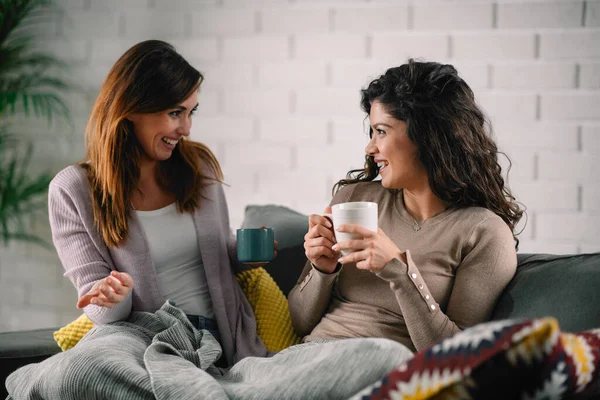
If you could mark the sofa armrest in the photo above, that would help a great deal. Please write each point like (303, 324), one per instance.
(20, 348)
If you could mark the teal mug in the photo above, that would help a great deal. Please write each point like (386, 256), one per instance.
(255, 245)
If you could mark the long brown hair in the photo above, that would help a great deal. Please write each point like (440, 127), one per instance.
(452, 135)
(150, 77)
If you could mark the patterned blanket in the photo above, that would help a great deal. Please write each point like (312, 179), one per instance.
(162, 356)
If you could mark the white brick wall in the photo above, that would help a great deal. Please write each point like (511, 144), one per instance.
(590, 76)
(294, 20)
(494, 45)
(393, 46)
(330, 47)
(223, 22)
(569, 44)
(280, 104)
(533, 75)
(592, 17)
(565, 14)
(578, 105)
(370, 19)
(453, 16)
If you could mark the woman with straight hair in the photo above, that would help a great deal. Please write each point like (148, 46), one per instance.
(445, 249)
(144, 217)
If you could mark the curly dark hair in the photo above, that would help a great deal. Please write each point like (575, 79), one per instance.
(451, 133)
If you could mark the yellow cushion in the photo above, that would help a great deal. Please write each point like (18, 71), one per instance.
(270, 306)
(69, 335)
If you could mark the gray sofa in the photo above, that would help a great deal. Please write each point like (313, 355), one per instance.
(563, 286)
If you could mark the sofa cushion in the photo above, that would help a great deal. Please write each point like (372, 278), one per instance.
(566, 287)
(500, 360)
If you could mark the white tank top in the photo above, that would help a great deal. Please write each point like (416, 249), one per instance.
(177, 260)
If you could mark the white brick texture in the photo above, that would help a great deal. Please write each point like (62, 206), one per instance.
(330, 47)
(111, 5)
(356, 74)
(294, 20)
(89, 24)
(188, 5)
(568, 226)
(566, 14)
(292, 130)
(508, 106)
(487, 45)
(198, 51)
(591, 198)
(227, 75)
(149, 24)
(548, 196)
(108, 51)
(263, 155)
(256, 49)
(370, 19)
(536, 135)
(522, 165)
(223, 22)
(548, 247)
(452, 16)
(71, 50)
(564, 166)
(593, 14)
(570, 44)
(571, 106)
(399, 47)
(590, 75)
(257, 102)
(328, 101)
(280, 105)
(532, 76)
(591, 139)
(227, 129)
(293, 74)
(477, 75)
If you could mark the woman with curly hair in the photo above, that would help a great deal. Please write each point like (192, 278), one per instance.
(445, 249)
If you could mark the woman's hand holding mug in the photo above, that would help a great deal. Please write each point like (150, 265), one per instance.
(323, 233)
(108, 292)
(319, 241)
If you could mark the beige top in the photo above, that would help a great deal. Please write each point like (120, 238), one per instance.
(459, 263)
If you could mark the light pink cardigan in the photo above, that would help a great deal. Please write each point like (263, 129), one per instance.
(86, 259)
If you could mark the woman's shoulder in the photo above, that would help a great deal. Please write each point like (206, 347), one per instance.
(72, 179)
(483, 222)
(363, 191)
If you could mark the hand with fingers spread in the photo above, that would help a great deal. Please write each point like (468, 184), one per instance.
(372, 252)
(319, 241)
(108, 292)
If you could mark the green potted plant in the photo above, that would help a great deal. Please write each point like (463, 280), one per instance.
(30, 87)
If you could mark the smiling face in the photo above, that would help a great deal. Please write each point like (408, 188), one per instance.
(394, 152)
(159, 133)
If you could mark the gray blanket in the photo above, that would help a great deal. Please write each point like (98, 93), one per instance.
(162, 356)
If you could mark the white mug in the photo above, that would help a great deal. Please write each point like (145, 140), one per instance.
(356, 212)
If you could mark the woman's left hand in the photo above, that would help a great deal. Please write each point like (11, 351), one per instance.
(372, 252)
